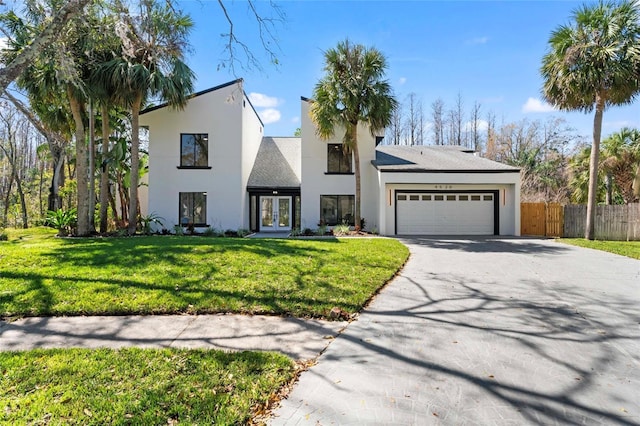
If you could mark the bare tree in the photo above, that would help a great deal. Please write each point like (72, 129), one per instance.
(456, 116)
(14, 144)
(437, 118)
(476, 140)
(396, 130)
(412, 118)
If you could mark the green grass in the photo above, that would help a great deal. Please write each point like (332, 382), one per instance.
(41, 275)
(624, 248)
(138, 386)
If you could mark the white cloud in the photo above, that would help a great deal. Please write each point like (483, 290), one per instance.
(478, 40)
(402, 80)
(295, 120)
(3, 43)
(260, 100)
(536, 105)
(482, 126)
(270, 115)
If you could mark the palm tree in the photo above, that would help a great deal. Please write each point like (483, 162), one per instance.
(352, 92)
(621, 158)
(592, 64)
(151, 65)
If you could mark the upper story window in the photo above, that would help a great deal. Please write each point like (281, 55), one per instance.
(337, 161)
(194, 150)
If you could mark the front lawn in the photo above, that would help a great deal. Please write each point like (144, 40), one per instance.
(138, 386)
(624, 248)
(41, 275)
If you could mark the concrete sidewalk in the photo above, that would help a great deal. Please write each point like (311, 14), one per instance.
(298, 338)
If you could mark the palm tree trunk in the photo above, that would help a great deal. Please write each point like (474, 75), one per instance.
(135, 164)
(356, 160)
(81, 167)
(92, 169)
(592, 198)
(104, 171)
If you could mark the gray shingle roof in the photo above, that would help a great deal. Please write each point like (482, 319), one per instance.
(438, 159)
(277, 164)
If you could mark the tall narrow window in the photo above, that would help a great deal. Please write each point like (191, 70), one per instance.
(337, 160)
(336, 209)
(194, 150)
(193, 208)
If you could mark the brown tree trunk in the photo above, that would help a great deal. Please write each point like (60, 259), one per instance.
(104, 171)
(23, 204)
(592, 198)
(82, 177)
(135, 164)
(92, 170)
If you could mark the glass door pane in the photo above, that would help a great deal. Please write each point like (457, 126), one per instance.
(284, 212)
(267, 212)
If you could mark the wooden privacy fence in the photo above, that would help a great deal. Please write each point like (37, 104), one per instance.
(541, 219)
(618, 222)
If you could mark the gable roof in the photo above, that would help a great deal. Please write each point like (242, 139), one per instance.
(238, 81)
(435, 159)
(278, 164)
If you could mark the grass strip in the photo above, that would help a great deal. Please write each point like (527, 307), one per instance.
(624, 248)
(138, 386)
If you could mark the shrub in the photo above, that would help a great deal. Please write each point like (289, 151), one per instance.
(322, 229)
(145, 222)
(210, 231)
(342, 229)
(177, 229)
(62, 220)
(243, 232)
(3, 235)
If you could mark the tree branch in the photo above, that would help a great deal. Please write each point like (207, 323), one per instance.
(13, 70)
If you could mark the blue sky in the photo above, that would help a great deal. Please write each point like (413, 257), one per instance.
(488, 52)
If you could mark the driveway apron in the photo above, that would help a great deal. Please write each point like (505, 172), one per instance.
(486, 331)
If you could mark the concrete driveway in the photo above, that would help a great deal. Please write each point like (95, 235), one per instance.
(486, 331)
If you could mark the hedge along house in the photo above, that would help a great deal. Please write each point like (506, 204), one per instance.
(211, 165)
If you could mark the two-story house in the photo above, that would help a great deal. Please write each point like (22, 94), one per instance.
(211, 165)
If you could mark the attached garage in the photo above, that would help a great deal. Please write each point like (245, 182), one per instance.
(446, 213)
(444, 190)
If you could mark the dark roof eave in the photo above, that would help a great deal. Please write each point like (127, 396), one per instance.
(418, 170)
(194, 95)
(275, 188)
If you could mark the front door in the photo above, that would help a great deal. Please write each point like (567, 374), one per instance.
(275, 213)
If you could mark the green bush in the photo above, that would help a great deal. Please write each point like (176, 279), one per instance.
(145, 222)
(3, 235)
(342, 229)
(62, 220)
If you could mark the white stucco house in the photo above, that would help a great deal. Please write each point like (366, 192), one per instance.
(211, 165)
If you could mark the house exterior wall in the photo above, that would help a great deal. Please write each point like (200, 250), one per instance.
(315, 182)
(507, 184)
(252, 133)
(220, 114)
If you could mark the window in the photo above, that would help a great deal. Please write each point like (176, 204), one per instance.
(336, 209)
(337, 161)
(194, 150)
(193, 208)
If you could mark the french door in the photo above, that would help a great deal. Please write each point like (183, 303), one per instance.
(275, 213)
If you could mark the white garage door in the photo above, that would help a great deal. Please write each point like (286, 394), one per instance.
(445, 214)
